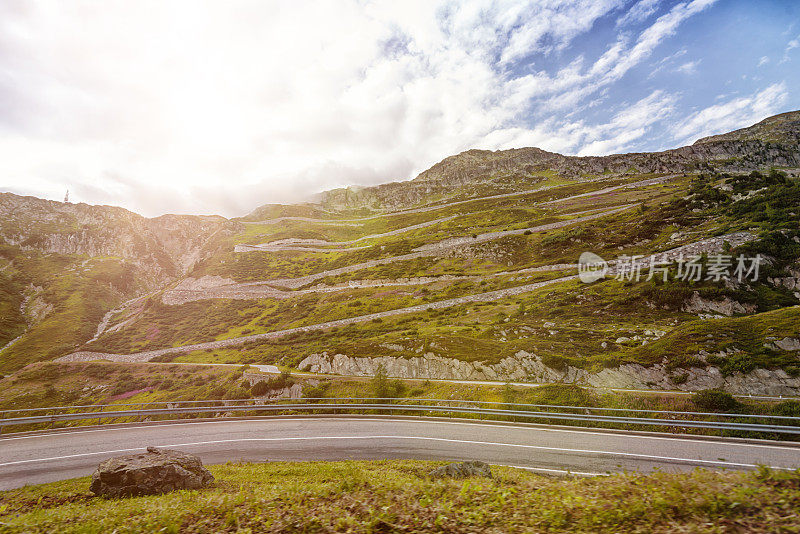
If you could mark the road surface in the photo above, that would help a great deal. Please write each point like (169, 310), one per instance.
(69, 453)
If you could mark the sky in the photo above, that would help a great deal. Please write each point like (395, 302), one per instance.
(190, 106)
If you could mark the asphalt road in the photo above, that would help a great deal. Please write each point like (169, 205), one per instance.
(69, 453)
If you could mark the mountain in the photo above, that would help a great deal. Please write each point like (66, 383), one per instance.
(465, 272)
(64, 265)
(772, 142)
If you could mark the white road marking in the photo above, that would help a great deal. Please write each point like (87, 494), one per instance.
(562, 471)
(421, 438)
(539, 429)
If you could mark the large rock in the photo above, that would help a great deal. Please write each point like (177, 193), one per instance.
(726, 306)
(154, 472)
(463, 470)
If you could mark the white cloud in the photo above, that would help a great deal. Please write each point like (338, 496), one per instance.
(763, 61)
(733, 114)
(627, 126)
(187, 106)
(791, 45)
(575, 82)
(639, 12)
(690, 67)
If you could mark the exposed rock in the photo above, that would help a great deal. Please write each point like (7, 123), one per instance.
(154, 472)
(788, 343)
(726, 306)
(526, 367)
(162, 247)
(790, 282)
(463, 470)
(33, 306)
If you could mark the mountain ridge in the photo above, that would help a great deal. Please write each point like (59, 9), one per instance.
(473, 262)
(774, 141)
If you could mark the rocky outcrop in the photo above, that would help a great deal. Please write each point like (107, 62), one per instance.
(726, 306)
(790, 282)
(293, 391)
(788, 344)
(526, 367)
(463, 470)
(33, 306)
(151, 473)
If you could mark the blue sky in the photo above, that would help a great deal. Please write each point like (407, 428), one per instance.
(189, 106)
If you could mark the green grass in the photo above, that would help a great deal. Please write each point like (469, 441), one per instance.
(399, 496)
(79, 289)
(588, 318)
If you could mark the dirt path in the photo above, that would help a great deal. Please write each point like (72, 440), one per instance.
(355, 222)
(315, 244)
(303, 244)
(232, 342)
(433, 250)
(204, 289)
(710, 245)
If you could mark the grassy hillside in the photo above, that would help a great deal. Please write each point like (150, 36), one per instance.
(399, 496)
(63, 266)
(476, 223)
(567, 323)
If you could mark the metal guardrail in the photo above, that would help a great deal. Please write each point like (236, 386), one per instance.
(421, 407)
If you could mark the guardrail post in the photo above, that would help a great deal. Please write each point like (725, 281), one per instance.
(100, 419)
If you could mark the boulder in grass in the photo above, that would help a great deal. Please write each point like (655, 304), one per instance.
(463, 470)
(151, 473)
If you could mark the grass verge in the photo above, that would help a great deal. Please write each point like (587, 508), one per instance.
(399, 496)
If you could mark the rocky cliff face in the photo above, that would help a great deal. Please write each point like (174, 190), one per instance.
(166, 246)
(526, 367)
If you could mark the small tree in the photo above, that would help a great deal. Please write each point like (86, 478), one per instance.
(380, 383)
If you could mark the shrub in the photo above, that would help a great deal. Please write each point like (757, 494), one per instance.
(283, 380)
(236, 393)
(260, 388)
(316, 392)
(738, 363)
(787, 409)
(554, 362)
(715, 400)
(385, 389)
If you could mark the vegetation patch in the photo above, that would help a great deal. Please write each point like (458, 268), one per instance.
(400, 496)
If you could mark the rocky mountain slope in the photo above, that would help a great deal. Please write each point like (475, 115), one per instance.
(63, 265)
(466, 272)
(775, 141)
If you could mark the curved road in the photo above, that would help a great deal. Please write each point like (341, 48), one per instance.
(44, 457)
